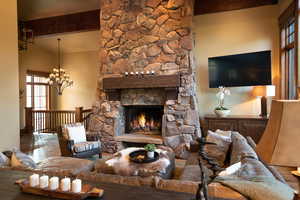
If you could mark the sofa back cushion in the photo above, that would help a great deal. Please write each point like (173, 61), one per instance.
(218, 151)
(21, 160)
(240, 147)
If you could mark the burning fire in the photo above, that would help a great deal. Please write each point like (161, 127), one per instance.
(142, 120)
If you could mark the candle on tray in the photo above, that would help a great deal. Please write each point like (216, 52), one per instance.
(76, 186)
(54, 183)
(44, 181)
(34, 180)
(65, 184)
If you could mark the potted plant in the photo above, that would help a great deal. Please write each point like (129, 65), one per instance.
(150, 148)
(221, 111)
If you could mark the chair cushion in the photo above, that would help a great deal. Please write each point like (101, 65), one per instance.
(77, 133)
(66, 166)
(4, 160)
(19, 159)
(86, 146)
(218, 151)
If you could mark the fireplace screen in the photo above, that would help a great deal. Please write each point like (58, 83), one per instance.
(143, 119)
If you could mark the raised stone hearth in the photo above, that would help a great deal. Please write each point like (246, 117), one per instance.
(142, 35)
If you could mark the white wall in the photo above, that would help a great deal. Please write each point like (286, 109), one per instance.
(83, 69)
(35, 59)
(228, 33)
(9, 89)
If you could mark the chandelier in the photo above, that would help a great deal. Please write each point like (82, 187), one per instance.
(59, 78)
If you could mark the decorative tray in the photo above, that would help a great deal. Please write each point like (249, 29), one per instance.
(87, 191)
(140, 156)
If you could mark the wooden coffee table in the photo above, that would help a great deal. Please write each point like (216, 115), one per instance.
(11, 191)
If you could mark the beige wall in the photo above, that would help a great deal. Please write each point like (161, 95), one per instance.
(228, 33)
(9, 89)
(83, 69)
(35, 59)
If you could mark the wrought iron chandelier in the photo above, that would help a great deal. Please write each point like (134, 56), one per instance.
(59, 78)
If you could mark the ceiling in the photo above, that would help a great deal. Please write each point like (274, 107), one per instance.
(34, 9)
(70, 42)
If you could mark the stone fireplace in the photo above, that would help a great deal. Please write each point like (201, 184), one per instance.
(159, 108)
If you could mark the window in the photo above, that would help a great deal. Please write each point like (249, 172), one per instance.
(288, 52)
(37, 91)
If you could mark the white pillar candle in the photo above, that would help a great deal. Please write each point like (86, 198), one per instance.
(34, 180)
(65, 184)
(44, 181)
(54, 183)
(76, 186)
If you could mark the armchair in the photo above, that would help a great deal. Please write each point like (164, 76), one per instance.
(74, 141)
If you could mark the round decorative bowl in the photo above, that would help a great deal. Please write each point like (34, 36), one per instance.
(222, 113)
(141, 156)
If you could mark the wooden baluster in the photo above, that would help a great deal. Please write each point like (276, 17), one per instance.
(28, 120)
(78, 114)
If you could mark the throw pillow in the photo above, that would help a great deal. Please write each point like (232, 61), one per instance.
(4, 160)
(77, 133)
(218, 151)
(19, 159)
(231, 169)
(240, 147)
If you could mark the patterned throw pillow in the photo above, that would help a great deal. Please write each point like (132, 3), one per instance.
(4, 160)
(218, 151)
(19, 159)
(240, 147)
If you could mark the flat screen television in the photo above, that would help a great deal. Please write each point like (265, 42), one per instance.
(249, 69)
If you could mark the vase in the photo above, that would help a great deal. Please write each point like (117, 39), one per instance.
(150, 154)
(222, 113)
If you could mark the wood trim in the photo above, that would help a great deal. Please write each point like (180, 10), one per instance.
(133, 82)
(213, 6)
(288, 14)
(37, 73)
(89, 21)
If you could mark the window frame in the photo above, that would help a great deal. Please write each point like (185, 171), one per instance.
(288, 17)
(34, 74)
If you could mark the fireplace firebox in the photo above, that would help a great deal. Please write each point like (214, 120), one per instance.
(145, 120)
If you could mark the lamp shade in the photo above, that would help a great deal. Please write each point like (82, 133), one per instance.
(280, 142)
(264, 91)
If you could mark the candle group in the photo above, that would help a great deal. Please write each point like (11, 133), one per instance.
(53, 183)
(141, 73)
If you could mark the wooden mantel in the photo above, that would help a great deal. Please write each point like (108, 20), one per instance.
(146, 81)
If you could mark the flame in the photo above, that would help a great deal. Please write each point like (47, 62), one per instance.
(142, 120)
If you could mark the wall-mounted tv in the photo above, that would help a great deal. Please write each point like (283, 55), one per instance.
(249, 69)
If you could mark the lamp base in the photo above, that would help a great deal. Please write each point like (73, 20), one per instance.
(263, 107)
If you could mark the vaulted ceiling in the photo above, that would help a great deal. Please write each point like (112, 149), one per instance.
(34, 9)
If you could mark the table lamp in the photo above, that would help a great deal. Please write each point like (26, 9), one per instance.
(263, 92)
(279, 144)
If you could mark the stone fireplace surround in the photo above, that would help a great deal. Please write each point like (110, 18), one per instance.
(142, 35)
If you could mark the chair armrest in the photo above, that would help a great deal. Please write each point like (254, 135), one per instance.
(70, 144)
(92, 136)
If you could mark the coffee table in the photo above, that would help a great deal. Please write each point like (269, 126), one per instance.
(10, 191)
(120, 164)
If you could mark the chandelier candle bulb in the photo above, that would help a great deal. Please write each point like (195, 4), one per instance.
(44, 181)
(148, 72)
(126, 73)
(131, 73)
(76, 186)
(34, 180)
(65, 184)
(152, 72)
(137, 73)
(54, 183)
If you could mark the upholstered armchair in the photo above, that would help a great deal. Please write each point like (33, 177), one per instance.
(74, 141)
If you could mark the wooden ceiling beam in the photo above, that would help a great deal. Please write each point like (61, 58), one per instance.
(78, 22)
(213, 6)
